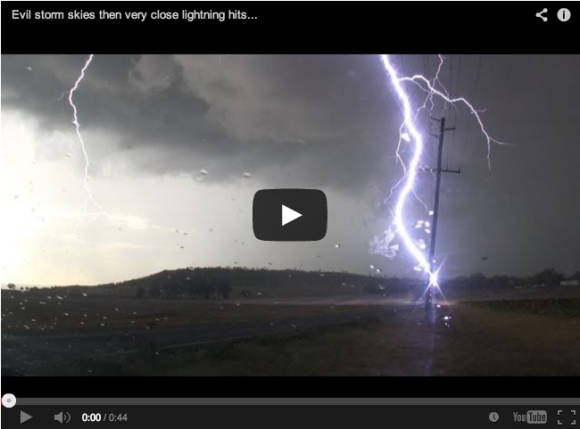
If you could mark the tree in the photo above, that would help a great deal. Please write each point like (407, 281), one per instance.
(140, 292)
(548, 276)
(477, 280)
(11, 286)
(192, 290)
(155, 291)
(174, 291)
(208, 290)
(224, 289)
(198, 285)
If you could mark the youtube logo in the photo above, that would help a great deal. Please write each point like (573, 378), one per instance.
(289, 215)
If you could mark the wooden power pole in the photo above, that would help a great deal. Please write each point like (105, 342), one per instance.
(438, 171)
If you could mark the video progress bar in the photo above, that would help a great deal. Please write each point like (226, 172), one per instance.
(298, 401)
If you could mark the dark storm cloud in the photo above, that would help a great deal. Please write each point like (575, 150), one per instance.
(304, 120)
(256, 111)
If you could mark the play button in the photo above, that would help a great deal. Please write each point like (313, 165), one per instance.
(24, 417)
(289, 215)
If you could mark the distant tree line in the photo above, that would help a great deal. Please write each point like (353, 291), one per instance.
(547, 277)
(208, 283)
(12, 286)
(195, 286)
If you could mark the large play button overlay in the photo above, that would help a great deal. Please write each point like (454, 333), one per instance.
(290, 215)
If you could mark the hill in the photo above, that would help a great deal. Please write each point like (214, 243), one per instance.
(248, 283)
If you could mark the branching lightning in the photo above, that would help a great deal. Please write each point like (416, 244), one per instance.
(409, 134)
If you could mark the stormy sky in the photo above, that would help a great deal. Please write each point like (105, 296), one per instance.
(170, 139)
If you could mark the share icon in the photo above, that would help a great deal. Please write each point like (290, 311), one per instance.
(541, 14)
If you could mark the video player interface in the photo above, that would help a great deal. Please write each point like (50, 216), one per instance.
(403, 220)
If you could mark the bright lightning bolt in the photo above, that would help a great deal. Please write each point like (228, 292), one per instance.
(77, 125)
(408, 133)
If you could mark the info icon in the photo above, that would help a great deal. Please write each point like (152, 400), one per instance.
(290, 215)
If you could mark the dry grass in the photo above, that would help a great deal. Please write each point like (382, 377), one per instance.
(481, 342)
(32, 314)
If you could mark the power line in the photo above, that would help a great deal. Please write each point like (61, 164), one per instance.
(458, 86)
(473, 101)
(403, 64)
(451, 149)
(477, 79)
(474, 97)
(448, 149)
(426, 65)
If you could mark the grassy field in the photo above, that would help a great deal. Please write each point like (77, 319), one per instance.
(480, 341)
(23, 315)
(558, 307)
(71, 332)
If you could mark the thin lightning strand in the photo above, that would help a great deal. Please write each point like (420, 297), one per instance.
(409, 133)
(77, 125)
(434, 92)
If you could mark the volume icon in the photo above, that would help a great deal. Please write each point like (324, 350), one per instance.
(62, 417)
